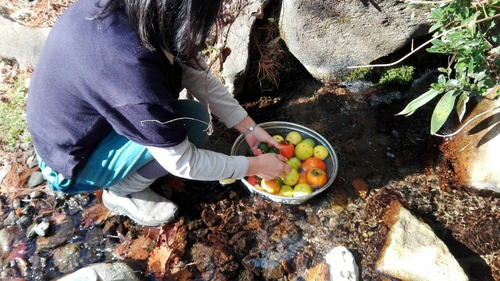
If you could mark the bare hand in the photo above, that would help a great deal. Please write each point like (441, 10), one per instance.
(269, 166)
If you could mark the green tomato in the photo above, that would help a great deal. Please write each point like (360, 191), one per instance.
(293, 137)
(302, 189)
(310, 141)
(291, 178)
(273, 149)
(320, 152)
(303, 151)
(294, 162)
(286, 191)
(263, 147)
(278, 138)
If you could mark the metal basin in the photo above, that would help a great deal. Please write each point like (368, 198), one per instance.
(282, 128)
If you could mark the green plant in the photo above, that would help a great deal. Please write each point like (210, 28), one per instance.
(359, 74)
(469, 32)
(397, 76)
(13, 126)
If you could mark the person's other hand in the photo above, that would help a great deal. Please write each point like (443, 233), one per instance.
(268, 166)
(257, 136)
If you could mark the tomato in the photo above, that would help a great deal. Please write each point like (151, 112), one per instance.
(302, 176)
(271, 186)
(287, 149)
(273, 149)
(313, 163)
(316, 177)
(303, 151)
(293, 137)
(291, 178)
(263, 147)
(252, 180)
(301, 189)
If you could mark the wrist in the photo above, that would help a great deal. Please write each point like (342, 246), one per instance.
(250, 129)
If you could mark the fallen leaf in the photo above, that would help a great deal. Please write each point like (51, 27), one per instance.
(158, 259)
(140, 248)
(318, 273)
(121, 251)
(94, 215)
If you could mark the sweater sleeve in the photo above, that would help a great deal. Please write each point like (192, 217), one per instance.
(186, 161)
(211, 92)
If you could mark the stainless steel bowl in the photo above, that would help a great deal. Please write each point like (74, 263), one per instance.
(282, 128)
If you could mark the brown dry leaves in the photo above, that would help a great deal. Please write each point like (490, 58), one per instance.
(161, 247)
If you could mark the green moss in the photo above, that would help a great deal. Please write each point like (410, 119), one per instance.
(363, 73)
(397, 76)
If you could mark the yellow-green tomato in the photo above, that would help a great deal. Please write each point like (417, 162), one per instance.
(310, 141)
(286, 191)
(293, 137)
(320, 152)
(301, 189)
(294, 162)
(291, 178)
(279, 138)
(303, 151)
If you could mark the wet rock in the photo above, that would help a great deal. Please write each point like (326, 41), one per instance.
(42, 228)
(35, 179)
(413, 252)
(10, 220)
(24, 221)
(8, 237)
(106, 271)
(342, 265)
(67, 258)
(62, 234)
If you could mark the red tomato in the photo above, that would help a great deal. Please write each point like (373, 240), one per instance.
(287, 149)
(252, 181)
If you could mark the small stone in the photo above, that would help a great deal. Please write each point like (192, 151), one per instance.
(42, 228)
(32, 162)
(35, 179)
(36, 194)
(16, 203)
(24, 221)
(342, 266)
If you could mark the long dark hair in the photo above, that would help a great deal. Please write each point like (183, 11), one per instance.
(179, 26)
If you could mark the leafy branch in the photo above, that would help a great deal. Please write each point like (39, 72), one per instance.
(468, 32)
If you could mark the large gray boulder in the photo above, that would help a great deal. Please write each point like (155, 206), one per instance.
(328, 36)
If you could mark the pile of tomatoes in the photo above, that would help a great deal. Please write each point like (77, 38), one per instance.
(305, 157)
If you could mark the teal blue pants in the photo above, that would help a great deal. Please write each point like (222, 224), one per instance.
(116, 157)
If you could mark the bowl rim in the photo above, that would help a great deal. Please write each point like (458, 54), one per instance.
(292, 126)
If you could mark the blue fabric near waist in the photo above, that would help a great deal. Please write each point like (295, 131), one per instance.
(115, 158)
